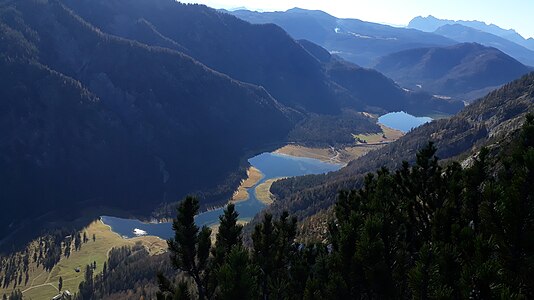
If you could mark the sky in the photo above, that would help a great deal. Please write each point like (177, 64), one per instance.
(516, 14)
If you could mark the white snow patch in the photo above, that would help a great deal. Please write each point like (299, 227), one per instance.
(362, 36)
(139, 232)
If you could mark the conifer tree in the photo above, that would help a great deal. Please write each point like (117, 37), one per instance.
(190, 246)
(229, 234)
(237, 276)
(273, 250)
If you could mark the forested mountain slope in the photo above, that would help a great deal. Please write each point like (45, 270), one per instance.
(487, 122)
(463, 70)
(466, 34)
(262, 54)
(95, 120)
(90, 120)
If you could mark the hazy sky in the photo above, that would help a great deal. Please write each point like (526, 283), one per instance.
(516, 14)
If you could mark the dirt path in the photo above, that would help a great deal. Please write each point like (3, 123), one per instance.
(40, 285)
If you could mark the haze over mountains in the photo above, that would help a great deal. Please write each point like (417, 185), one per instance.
(508, 41)
(467, 71)
(431, 24)
(260, 54)
(402, 53)
(357, 41)
(364, 42)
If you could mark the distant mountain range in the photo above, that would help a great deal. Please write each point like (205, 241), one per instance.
(259, 54)
(466, 34)
(431, 24)
(508, 41)
(364, 42)
(466, 71)
(357, 41)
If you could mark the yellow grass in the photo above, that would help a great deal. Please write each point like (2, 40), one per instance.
(373, 141)
(352, 153)
(390, 133)
(253, 176)
(323, 154)
(44, 285)
(386, 136)
(330, 155)
(263, 192)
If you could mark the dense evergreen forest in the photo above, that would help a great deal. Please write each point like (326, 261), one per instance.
(424, 231)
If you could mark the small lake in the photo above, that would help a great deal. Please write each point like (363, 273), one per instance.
(272, 165)
(402, 121)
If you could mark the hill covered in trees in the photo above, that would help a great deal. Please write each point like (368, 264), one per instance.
(369, 84)
(93, 120)
(466, 71)
(465, 34)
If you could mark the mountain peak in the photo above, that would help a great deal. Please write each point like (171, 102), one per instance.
(431, 24)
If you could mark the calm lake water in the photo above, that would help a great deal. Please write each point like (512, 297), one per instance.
(272, 165)
(402, 121)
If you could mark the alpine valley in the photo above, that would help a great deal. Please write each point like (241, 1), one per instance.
(152, 149)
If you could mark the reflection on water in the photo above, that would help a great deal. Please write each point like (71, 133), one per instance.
(272, 165)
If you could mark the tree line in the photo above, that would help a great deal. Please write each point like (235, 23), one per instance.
(425, 231)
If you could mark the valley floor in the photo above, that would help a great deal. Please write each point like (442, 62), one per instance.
(42, 284)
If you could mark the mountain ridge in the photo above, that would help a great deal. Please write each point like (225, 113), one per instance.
(357, 41)
(431, 24)
(464, 71)
(151, 121)
(268, 56)
(463, 33)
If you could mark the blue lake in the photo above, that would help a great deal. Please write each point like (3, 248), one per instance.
(402, 121)
(272, 165)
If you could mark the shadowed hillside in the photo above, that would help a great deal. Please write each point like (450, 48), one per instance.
(465, 70)
(91, 120)
(261, 54)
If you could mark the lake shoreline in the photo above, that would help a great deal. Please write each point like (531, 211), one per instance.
(253, 177)
(267, 167)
